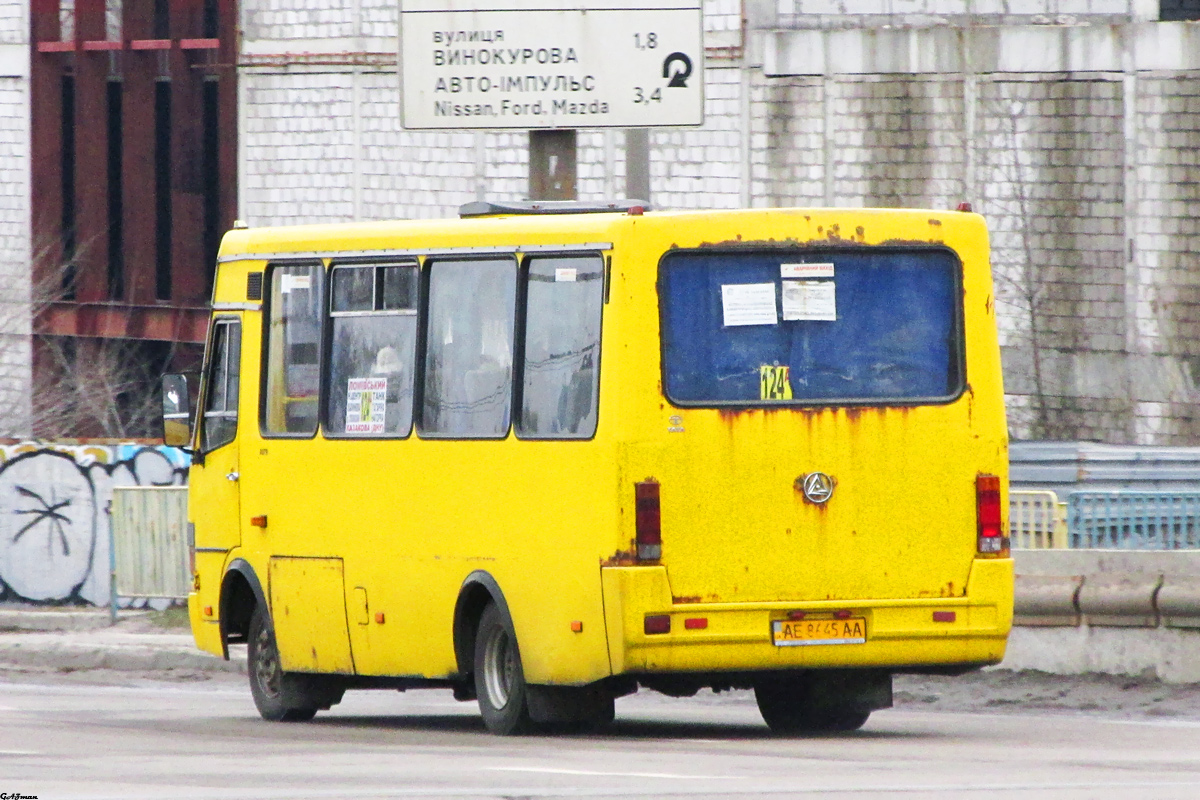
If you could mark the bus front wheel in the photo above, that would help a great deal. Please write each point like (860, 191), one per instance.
(499, 679)
(279, 696)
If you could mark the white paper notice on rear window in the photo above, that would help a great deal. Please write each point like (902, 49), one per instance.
(749, 304)
(809, 300)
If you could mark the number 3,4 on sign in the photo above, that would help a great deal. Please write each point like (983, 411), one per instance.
(677, 68)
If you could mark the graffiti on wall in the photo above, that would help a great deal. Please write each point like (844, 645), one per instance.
(54, 514)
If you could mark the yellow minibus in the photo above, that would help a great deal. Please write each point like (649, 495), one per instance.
(547, 454)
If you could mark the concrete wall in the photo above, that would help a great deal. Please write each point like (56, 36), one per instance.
(1078, 144)
(1112, 612)
(820, 13)
(54, 514)
(15, 244)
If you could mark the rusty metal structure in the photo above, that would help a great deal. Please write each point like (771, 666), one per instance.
(134, 126)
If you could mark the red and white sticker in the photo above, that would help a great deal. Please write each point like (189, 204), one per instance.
(803, 271)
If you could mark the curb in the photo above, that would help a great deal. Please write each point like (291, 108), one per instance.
(70, 651)
(35, 620)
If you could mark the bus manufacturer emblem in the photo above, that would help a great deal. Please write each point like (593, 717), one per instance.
(816, 486)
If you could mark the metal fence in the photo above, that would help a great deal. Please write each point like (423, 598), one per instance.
(149, 542)
(1134, 520)
(1037, 520)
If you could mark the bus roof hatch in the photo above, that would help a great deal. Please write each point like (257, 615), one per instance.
(483, 208)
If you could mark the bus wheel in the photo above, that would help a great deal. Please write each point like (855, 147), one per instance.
(788, 708)
(499, 679)
(275, 696)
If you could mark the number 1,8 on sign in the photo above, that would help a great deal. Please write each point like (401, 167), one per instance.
(645, 41)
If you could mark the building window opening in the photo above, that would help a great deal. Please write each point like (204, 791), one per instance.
(211, 18)
(162, 190)
(212, 183)
(68, 187)
(116, 245)
(162, 19)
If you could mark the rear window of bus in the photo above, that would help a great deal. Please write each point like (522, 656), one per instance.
(806, 328)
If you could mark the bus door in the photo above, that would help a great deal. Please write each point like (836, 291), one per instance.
(215, 497)
(287, 518)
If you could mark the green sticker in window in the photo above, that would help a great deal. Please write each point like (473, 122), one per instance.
(773, 382)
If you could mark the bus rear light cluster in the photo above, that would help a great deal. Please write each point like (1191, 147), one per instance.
(991, 541)
(657, 623)
(649, 522)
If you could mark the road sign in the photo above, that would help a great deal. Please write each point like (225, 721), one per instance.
(536, 64)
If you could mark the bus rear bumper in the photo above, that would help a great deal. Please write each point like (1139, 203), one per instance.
(970, 631)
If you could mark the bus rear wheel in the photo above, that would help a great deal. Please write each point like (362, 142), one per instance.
(787, 719)
(822, 703)
(280, 696)
(499, 678)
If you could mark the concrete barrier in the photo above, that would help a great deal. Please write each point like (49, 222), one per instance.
(1109, 611)
(1049, 600)
(1178, 601)
(1123, 600)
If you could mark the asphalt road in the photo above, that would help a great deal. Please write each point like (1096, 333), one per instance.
(130, 737)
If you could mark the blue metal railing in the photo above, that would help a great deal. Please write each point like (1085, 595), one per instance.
(1134, 520)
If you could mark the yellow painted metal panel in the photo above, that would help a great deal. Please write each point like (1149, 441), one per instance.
(205, 630)
(738, 635)
(308, 612)
(213, 492)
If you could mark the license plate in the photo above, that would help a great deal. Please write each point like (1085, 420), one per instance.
(793, 633)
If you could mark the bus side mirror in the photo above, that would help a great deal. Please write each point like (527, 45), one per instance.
(176, 411)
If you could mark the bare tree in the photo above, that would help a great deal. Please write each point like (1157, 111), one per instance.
(84, 387)
(1022, 279)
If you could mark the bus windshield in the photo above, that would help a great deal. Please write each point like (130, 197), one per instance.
(845, 326)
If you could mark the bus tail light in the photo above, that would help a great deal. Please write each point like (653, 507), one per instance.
(649, 527)
(992, 541)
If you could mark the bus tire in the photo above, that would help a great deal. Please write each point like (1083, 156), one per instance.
(499, 678)
(790, 708)
(278, 696)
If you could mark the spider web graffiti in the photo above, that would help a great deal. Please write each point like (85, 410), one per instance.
(47, 511)
(54, 515)
(47, 525)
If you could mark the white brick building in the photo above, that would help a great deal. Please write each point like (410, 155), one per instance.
(1072, 125)
(15, 240)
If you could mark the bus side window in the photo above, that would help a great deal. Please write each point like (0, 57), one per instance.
(221, 398)
(467, 391)
(293, 349)
(373, 347)
(561, 361)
